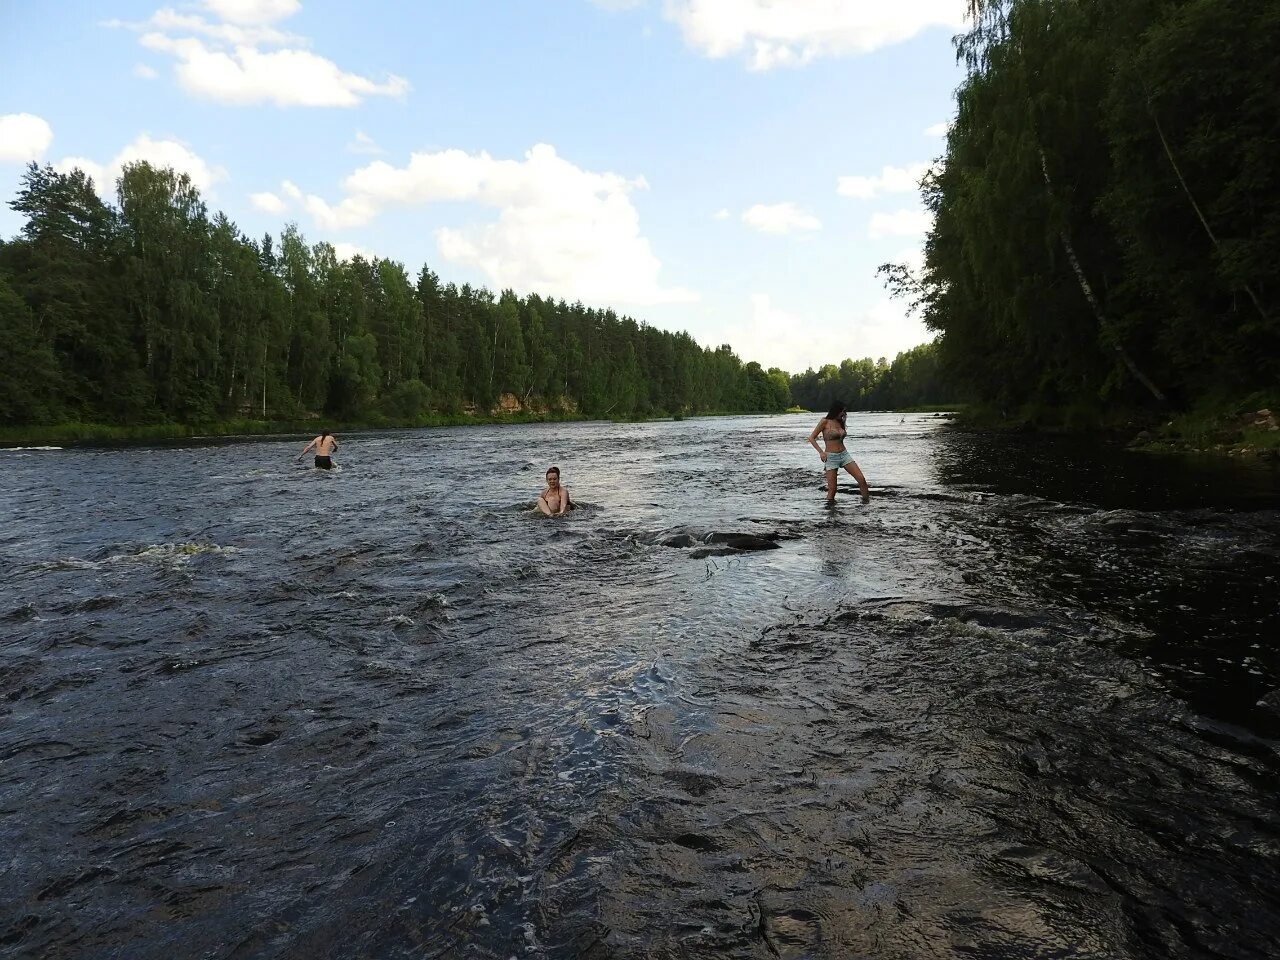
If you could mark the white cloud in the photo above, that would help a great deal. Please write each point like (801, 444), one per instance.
(144, 72)
(882, 330)
(347, 251)
(253, 11)
(92, 169)
(900, 223)
(885, 330)
(890, 180)
(363, 143)
(241, 58)
(169, 21)
(287, 77)
(721, 214)
(267, 202)
(24, 137)
(937, 130)
(159, 153)
(780, 218)
(560, 231)
(796, 32)
(769, 335)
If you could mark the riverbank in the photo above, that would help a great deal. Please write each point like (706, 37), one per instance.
(94, 433)
(1248, 428)
(75, 434)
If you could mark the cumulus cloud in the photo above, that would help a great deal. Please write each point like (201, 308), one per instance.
(240, 57)
(900, 223)
(24, 137)
(722, 214)
(890, 180)
(937, 130)
(560, 230)
(349, 251)
(144, 72)
(253, 11)
(773, 34)
(780, 218)
(267, 202)
(159, 153)
(768, 334)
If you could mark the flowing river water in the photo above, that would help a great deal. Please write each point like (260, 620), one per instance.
(1008, 709)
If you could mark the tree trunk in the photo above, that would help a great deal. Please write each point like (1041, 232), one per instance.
(1103, 325)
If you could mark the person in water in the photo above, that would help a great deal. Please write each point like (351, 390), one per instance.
(832, 430)
(554, 500)
(323, 445)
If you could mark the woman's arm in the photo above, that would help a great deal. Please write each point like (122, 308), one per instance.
(543, 507)
(305, 449)
(813, 439)
(564, 500)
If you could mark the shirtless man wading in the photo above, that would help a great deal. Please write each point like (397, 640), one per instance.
(324, 445)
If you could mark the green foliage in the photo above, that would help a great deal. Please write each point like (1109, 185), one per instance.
(1119, 150)
(914, 379)
(27, 390)
(154, 312)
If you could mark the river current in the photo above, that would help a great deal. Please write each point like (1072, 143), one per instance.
(1020, 705)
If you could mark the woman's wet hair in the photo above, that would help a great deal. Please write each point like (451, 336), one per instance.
(837, 410)
(555, 470)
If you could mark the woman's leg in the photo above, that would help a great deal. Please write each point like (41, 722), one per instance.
(852, 467)
(831, 485)
(543, 508)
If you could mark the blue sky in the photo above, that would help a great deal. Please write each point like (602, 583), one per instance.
(734, 168)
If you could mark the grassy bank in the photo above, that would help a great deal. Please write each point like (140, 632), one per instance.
(1248, 426)
(71, 434)
(94, 433)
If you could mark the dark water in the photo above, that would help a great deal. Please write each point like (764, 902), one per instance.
(1008, 709)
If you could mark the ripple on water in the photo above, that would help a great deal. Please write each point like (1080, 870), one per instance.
(387, 713)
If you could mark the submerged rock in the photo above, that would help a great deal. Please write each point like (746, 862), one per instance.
(726, 541)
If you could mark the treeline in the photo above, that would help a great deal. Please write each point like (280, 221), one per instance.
(913, 379)
(1107, 228)
(152, 310)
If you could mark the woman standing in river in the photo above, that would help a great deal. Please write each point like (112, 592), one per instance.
(832, 430)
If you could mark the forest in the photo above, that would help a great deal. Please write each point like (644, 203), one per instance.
(153, 310)
(1107, 213)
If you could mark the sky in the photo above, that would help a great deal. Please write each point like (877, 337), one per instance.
(734, 168)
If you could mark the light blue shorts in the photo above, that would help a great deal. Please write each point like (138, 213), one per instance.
(835, 461)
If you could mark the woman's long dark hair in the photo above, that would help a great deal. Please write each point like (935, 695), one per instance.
(837, 411)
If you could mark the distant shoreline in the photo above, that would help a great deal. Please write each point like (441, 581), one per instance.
(105, 434)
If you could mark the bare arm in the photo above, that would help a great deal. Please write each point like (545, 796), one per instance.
(813, 438)
(564, 500)
(309, 446)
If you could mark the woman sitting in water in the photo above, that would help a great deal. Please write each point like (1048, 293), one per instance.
(324, 445)
(554, 500)
(833, 432)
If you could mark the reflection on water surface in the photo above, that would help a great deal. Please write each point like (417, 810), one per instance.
(1006, 710)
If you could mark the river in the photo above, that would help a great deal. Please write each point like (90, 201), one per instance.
(1009, 708)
